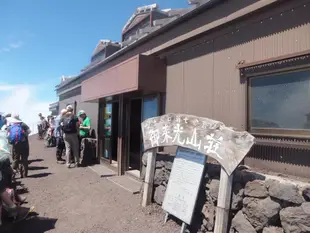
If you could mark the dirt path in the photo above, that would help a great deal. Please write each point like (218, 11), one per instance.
(78, 201)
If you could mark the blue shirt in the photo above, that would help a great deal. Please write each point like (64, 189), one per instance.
(1, 122)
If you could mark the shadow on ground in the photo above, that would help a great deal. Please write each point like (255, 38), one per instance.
(35, 168)
(33, 224)
(35, 160)
(39, 175)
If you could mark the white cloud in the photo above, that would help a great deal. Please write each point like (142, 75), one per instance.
(5, 50)
(13, 45)
(6, 87)
(16, 45)
(23, 99)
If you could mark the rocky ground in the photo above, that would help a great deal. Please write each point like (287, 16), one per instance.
(260, 203)
(79, 201)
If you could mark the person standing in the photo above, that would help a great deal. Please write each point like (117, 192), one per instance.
(1, 120)
(18, 133)
(70, 126)
(85, 124)
(58, 132)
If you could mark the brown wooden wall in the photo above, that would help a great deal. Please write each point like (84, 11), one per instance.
(202, 78)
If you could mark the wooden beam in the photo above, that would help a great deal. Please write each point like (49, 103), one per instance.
(149, 177)
(223, 202)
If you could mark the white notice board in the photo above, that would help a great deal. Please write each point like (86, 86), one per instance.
(184, 183)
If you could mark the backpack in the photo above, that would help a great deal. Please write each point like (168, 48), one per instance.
(69, 125)
(16, 133)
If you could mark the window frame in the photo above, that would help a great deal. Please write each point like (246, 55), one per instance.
(275, 132)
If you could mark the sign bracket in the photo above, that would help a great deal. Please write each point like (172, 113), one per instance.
(183, 227)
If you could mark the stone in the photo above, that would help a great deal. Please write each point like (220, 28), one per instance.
(213, 170)
(247, 176)
(237, 197)
(261, 212)
(296, 219)
(208, 212)
(160, 164)
(161, 175)
(306, 194)
(284, 191)
(256, 188)
(273, 230)
(159, 194)
(168, 165)
(240, 224)
(213, 189)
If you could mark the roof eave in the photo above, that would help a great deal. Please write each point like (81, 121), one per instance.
(182, 18)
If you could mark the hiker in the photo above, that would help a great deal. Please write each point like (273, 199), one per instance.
(50, 139)
(6, 121)
(58, 132)
(45, 126)
(70, 128)
(1, 120)
(85, 125)
(8, 196)
(18, 133)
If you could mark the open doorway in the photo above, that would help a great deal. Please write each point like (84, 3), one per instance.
(135, 134)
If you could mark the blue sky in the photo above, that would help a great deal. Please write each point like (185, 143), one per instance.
(41, 40)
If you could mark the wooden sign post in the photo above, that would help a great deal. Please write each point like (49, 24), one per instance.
(205, 136)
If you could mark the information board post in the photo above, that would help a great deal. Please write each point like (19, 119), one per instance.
(149, 177)
(223, 202)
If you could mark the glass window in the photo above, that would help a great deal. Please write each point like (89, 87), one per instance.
(280, 101)
(107, 130)
(108, 120)
(150, 107)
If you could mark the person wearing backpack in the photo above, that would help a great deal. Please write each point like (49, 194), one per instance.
(18, 133)
(60, 145)
(70, 127)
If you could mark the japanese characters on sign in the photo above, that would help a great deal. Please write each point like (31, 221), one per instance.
(204, 135)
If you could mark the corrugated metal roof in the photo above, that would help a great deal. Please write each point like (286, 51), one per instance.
(191, 12)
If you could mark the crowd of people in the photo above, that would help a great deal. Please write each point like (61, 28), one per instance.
(66, 131)
(14, 153)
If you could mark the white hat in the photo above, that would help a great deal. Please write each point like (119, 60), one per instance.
(69, 108)
(81, 112)
(13, 120)
(15, 115)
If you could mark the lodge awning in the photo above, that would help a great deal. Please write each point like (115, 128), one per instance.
(140, 72)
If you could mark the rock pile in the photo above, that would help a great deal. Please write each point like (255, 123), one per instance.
(259, 204)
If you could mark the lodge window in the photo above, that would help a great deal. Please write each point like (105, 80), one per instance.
(279, 103)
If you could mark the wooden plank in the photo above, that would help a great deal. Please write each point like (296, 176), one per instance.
(204, 135)
(223, 203)
(149, 178)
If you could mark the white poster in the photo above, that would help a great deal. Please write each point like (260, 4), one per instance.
(184, 183)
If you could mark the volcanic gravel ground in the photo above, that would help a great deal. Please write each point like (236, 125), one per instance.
(77, 200)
